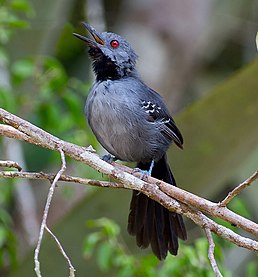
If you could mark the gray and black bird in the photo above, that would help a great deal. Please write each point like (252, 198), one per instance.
(132, 122)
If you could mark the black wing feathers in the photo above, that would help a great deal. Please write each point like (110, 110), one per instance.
(154, 106)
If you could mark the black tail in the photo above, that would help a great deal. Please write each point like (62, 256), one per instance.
(150, 222)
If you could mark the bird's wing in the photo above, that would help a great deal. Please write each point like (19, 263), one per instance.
(154, 106)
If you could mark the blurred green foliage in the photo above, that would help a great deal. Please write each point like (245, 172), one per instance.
(11, 19)
(111, 254)
(8, 241)
(55, 100)
(39, 89)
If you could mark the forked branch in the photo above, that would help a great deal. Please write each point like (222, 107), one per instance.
(173, 198)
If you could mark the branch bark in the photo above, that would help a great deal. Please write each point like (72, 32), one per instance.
(65, 178)
(10, 164)
(190, 205)
(211, 253)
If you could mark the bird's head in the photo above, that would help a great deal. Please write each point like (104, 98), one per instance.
(112, 55)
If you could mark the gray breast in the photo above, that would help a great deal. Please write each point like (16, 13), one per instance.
(121, 126)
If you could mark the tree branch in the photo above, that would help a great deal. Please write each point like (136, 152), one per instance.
(162, 198)
(190, 205)
(65, 178)
(46, 210)
(211, 253)
(256, 40)
(211, 208)
(10, 164)
(238, 189)
(10, 132)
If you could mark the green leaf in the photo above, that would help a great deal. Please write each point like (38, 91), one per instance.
(109, 227)
(127, 271)
(22, 6)
(22, 69)
(104, 255)
(90, 242)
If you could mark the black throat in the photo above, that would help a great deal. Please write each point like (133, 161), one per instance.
(103, 67)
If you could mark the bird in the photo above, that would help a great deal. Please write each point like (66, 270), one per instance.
(132, 122)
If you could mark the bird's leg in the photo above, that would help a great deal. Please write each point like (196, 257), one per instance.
(108, 158)
(145, 173)
(151, 167)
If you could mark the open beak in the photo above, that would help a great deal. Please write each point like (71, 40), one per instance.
(97, 37)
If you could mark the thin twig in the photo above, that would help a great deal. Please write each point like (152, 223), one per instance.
(211, 253)
(64, 178)
(257, 40)
(238, 189)
(46, 210)
(71, 268)
(10, 164)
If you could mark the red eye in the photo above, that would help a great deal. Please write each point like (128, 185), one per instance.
(114, 43)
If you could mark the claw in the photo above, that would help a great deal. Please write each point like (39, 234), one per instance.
(108, 158)
(145, 173)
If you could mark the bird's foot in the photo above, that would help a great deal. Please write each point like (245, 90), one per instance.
(108, 158)
(144, 173)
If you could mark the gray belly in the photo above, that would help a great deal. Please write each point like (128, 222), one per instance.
(120, 137)
(122, 128)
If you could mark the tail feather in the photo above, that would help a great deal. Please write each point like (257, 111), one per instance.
(144, 235)
(170, 234)
(158, 243)
(150, 222)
